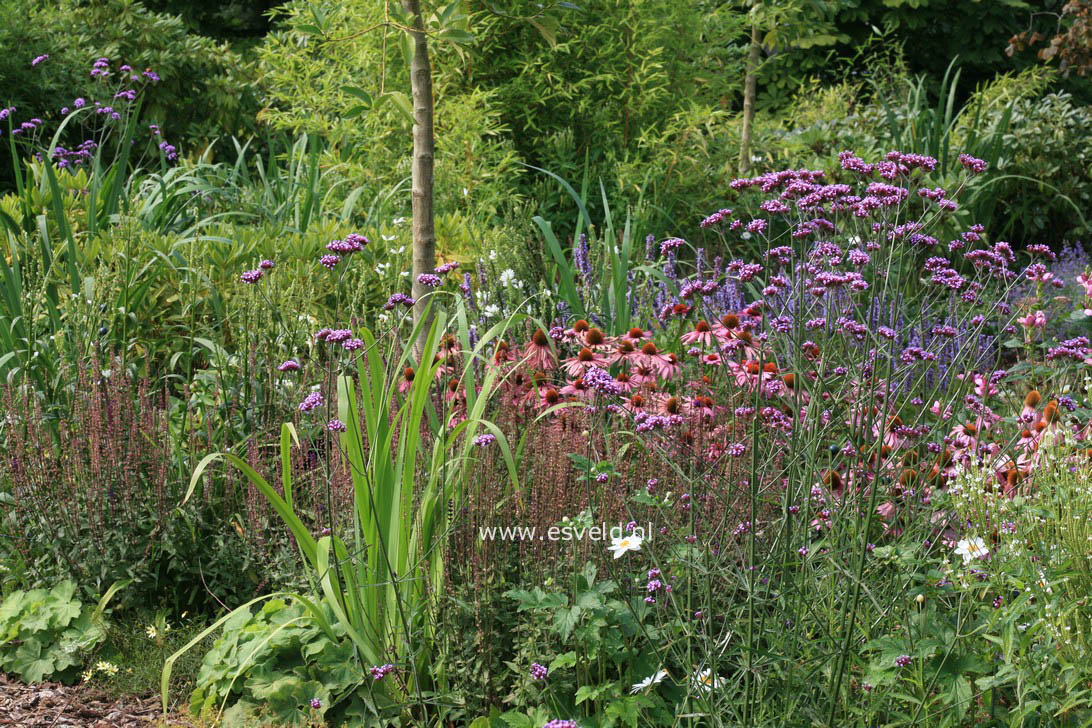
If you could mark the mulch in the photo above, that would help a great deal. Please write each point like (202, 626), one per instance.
(52, 705)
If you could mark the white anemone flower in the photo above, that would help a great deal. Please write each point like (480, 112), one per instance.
(622, 544)
(971, 549)
(649, 682)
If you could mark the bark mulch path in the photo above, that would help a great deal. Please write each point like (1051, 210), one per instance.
(51, 705)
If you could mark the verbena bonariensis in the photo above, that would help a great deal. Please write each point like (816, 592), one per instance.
(857, 334)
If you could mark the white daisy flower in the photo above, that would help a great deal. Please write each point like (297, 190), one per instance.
(706, 681)
(971, 549)
(648, 682)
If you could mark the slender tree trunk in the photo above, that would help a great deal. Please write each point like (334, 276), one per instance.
(749, 83)
(424, 149)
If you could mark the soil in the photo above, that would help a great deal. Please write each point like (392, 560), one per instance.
(52, 705)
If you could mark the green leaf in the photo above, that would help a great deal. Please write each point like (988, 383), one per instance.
(566, 660)
(566, 620)
(584, 692)
(515, 719)
(547, 28)
(29, 662)
(401, 103)
(458, 37)
(359, 93)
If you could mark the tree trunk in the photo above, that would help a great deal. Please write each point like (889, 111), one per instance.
(424, 148)
(749, 83)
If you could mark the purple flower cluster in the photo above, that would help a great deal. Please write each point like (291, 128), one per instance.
(82, 154)
(429, 279)
(976, 166)
(329, 261)
(446, 268)
(39, 59)
(1076, 348)
(601, 381)
(716, 218)
(311, 401)
(561, 723)
(100, 68)
(381, 671)
(671, 244)
(353, 243)
(289, 366)
(398, 298)
(335, 425)
(539, 672)
(485, 440)
(252, 276)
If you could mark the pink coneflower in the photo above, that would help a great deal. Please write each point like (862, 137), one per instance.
(670, 366)
(576, 333)
(454, 391)
(701, 406)
(548, 397)
(577, 389)
(637, 336)
(723, 328)
(625, 384)
(635, 403)
(625, 351)
(702, 335)
(586, 358)
(643, 375)
(595, 339)
(406, 380)
(712, 359)
(503, 353)
(538, 354)
(669, 405)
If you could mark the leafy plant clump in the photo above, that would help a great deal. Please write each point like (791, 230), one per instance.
(277, 663)
(49, 634)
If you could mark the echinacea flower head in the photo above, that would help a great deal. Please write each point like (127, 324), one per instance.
(622, 544)
(706, 681)
(971, 549)
(648, 682)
